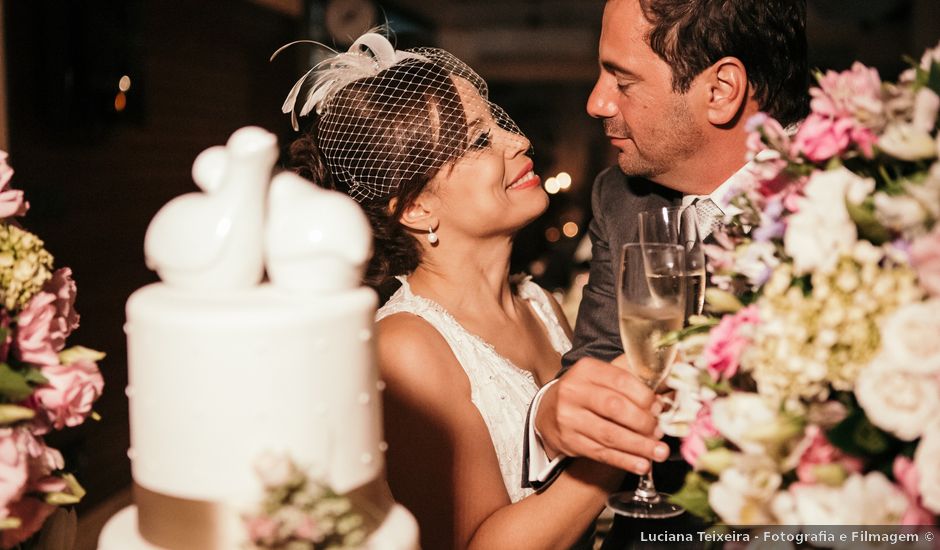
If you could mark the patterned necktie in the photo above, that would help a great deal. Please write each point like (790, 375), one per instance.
(709, 216)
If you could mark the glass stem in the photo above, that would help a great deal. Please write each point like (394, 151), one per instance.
(645, 490)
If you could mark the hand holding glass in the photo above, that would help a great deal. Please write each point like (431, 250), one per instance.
(651, 299)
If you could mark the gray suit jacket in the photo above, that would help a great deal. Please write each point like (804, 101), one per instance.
(615, 202)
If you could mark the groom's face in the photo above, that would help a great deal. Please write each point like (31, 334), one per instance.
(653, 127)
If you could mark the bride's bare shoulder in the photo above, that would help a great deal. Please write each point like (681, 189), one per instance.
(412, 351)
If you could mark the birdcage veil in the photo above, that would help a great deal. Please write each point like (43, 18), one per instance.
(384, 116)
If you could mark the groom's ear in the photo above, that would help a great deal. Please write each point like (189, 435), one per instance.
(727, 89)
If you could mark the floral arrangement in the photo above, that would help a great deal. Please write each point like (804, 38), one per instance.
(813, 391)
(43, 386)
(299, 513)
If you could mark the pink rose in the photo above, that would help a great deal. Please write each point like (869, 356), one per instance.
(925, 256)
(765, 131)
(72, 389)
(820, 452)
(725, 343)
(11, 200)
(63, 288)
(693, 445)
(853, 93)
(14, 468)
(40, 333)
(905, 473)
(262, 529)
(865, 139)
(307, 529)
(33, 513)
(821, 137)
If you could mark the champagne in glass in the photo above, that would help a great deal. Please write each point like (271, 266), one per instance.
(641, 330)
(651, 301)
(679, 225)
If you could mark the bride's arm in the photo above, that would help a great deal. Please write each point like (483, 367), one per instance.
(442, 465)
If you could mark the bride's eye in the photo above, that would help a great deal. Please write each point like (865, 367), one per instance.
(482, 141)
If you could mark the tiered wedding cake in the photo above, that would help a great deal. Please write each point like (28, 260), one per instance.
(225, 370)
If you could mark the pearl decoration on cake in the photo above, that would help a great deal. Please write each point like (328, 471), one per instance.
(365, 334)
(131, 454)
(380, 385)
(129, 391)
(366, 458)
(364, 398)
(383, 446)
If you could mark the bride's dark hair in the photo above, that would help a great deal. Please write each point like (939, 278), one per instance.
(386, 134)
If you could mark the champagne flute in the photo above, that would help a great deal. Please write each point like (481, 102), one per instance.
(679, 225)
(651, 300)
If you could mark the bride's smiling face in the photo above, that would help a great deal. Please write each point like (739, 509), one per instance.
(492, 189)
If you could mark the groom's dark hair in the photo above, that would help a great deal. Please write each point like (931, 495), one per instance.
(768, 36)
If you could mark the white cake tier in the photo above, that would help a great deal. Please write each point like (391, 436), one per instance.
(399, 531)
(218, 380)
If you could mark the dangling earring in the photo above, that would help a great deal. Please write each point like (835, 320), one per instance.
(432, 236)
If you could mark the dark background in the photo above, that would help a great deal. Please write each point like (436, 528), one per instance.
(199, 69)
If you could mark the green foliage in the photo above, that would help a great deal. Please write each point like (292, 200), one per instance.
(14, 384)
(694, 497)
(868, 226)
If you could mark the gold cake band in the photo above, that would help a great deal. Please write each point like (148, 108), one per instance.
(188, 524)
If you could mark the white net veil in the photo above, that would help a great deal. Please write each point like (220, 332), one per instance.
(385, 116)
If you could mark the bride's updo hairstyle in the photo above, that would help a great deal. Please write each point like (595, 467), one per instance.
(384, 123)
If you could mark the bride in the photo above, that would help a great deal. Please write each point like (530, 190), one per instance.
(444, 176)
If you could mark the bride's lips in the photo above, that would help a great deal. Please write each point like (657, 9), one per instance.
(525, 180)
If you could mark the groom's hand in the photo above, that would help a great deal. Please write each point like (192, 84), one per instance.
(601, 411)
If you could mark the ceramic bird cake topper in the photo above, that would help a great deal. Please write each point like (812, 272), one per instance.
(315, 240)
(212, 240)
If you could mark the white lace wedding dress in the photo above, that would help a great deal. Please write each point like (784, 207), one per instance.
(500, 390)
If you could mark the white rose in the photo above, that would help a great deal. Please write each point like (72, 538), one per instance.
(275, 469)
(756, 261)
(927, 462)
(897, 401)
(926, 105)
(898, 212)
(927, 192)
(911, 338)
(740, 416)
(862, 500)
(906, 142)
(679, 416)
(821, 231)
(743, 493)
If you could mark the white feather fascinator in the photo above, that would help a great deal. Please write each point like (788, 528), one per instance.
(406, 113)
(370, 54)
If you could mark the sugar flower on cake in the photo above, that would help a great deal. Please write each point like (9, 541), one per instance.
(819, 384)
(300, 512)
(43, 385)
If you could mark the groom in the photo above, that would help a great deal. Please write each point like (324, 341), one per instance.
(678, 81)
